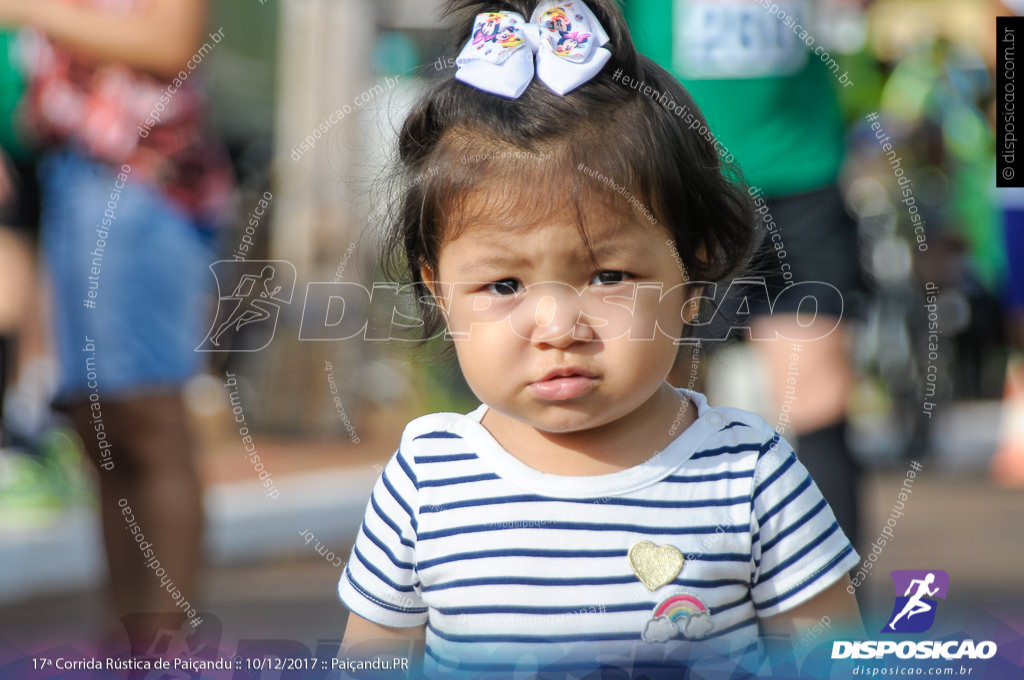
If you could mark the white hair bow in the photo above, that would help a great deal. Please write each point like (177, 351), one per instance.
(566, 38)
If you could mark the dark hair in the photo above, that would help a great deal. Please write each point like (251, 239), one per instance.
(458, 140)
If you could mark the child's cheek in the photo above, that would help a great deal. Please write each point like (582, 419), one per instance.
(478, 311)
(640, 312)
(670, 312)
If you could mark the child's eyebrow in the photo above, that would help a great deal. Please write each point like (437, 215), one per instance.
(491, 262)
(608, 248)
(628, 247)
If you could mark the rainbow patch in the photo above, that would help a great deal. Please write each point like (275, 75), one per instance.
(680, 606)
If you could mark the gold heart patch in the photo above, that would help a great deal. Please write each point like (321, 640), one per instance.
(655, 565)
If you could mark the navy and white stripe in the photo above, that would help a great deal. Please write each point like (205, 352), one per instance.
(461, 537)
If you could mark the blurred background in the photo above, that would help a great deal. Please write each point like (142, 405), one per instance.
(324, 416)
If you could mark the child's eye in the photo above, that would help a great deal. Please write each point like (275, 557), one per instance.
(503, 287)
(609, 277)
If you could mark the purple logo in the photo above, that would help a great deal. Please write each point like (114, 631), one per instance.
(916, 592)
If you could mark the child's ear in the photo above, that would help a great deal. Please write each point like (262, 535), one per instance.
(431, 282)
(692, 305)
(427, 275)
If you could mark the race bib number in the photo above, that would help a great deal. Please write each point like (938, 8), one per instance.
(739, 38)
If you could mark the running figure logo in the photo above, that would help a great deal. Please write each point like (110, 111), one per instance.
(914, 611)
(258, 290)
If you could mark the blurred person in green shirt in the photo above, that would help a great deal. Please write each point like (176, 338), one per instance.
(769, 90)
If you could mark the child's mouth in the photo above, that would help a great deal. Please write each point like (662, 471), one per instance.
(563, 385)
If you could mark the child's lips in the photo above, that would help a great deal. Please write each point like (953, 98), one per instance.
(563, 387)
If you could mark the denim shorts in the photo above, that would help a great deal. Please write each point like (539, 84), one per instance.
(130, 277)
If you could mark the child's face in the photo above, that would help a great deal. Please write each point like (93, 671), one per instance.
(513, 301)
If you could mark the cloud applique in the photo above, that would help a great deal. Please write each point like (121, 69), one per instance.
(659, 629)
(697, 626)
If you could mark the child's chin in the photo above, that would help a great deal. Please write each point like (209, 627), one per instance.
(566, 420)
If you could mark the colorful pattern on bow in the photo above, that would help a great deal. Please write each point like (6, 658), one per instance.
(566, 38)
(574, 45)
(496, 35)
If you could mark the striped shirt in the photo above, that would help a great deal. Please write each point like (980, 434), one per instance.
(507, 565)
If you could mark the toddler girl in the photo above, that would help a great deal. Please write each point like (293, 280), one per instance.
(560, 223)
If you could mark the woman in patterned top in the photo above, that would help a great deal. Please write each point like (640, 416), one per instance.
(133, 189)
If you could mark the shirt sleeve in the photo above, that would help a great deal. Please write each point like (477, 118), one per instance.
(798, 549)
(379, 582)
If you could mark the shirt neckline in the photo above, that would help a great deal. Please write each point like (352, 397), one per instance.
(654, 469)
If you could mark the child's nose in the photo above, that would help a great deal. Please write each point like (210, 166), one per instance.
(555, 318)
